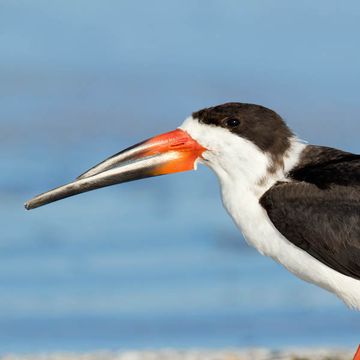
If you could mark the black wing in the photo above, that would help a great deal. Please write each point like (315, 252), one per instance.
(319, 209)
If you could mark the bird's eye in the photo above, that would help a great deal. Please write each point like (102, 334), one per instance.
(232, 122)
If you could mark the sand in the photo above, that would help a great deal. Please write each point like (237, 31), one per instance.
(250, 354)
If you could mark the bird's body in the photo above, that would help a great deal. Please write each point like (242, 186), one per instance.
(300, 206)
(297, 203)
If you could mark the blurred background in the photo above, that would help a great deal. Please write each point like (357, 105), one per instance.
(158, 263)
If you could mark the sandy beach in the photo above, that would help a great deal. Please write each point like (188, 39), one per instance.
(235, 354)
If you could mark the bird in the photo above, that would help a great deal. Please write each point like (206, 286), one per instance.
(295, 202)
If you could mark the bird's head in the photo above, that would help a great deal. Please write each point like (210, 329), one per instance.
(243, 141)
(234, 139)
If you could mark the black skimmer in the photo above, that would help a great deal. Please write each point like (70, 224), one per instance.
(297, 203)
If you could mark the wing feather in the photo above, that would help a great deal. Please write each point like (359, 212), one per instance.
(319, 209)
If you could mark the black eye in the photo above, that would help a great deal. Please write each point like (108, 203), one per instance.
(232, 122)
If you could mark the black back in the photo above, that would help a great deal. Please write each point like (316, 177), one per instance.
(319, 209)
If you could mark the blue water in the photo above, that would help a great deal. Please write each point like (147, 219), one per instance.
(157, 263)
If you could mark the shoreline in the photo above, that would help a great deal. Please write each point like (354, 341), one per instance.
(194, 354)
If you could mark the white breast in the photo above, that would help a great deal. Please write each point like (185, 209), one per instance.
(258, 230)
(242, 170)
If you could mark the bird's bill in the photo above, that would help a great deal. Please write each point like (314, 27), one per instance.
(168, 153)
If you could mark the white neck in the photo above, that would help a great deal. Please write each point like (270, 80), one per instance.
(241, 193)
(244, 174)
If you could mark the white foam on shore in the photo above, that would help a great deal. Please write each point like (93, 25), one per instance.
(246, 354)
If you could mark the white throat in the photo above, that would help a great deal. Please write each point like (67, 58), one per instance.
(244, 174)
